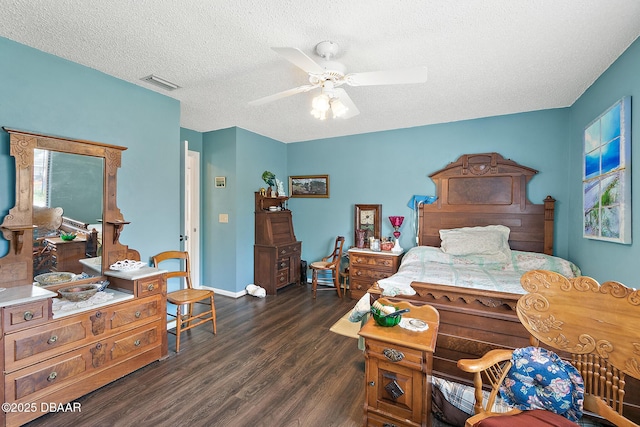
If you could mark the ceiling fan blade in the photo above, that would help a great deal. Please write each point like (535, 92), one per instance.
(283, 94)
(389, 77)
(352, 110)
(299, 59)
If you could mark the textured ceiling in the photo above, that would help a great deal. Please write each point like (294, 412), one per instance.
(485, 58)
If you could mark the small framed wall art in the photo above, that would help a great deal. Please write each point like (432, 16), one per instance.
(309, 186)
(369, 220)
(220, 181)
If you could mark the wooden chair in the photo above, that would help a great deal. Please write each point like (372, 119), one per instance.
(593, 326)
(187, 296)
(331, 264)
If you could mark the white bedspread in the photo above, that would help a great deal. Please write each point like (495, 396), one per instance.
(429, 264)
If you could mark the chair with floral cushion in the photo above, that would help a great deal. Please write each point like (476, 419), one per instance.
(593, 327)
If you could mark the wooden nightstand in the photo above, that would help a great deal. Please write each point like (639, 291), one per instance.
(67, 253)
(398, 370)
(367, 266)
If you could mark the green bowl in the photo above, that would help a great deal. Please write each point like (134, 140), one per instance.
(67, 237)
(385, 321)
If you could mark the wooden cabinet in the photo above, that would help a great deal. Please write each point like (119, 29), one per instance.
(66, 255)
(367, 266)
(49, 354)
(398, 366)
(53, 357)
(276, 253)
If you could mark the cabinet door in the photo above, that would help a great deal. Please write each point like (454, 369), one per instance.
(395, 389)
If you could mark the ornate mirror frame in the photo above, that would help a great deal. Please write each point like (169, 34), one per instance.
(16, 267)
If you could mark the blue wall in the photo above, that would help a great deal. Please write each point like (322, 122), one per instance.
(389, 167)
(605, 260)
(241, 156)
(46, 94)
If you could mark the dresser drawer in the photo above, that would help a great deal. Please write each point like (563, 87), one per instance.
(150, 286)
(73, 366)
(131, 344)
(288, 250)
(379, 262)
(283, 264)
(137, 312)
(26, 315)
(368, 274)
(45, 339)
(396, 354)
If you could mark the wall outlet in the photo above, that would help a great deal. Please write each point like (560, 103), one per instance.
(223, 218)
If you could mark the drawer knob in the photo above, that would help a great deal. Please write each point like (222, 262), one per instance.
(27, 315)
(136, 343)
(283, 265)
(52, 376)
(99, 346)
(358, 273)
(389, 425)
(282, 279)
(53, 339)
(98, 314)
(393, 354)
(283, 252)
(138, 314)
(150, 287)
(372, 383)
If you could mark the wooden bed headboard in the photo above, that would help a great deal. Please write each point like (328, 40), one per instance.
(487, 189)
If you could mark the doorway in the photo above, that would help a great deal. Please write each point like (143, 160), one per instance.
(191, 235)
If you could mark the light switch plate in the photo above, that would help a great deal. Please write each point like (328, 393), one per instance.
(223, 218)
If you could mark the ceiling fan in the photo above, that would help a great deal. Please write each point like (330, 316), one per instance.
(329, 75)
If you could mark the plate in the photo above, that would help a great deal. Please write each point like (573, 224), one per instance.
(127, 265)
(48, 279)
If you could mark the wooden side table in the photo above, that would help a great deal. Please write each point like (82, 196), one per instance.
(367, 266)
(67, 253)
(398, 370)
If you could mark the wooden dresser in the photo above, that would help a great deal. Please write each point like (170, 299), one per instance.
(67, 254)
(276, 252)
(52, 351)
(57, 356)
(367, 266)
(398, 365)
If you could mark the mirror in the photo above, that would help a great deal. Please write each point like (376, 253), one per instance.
(81, 187)
(67, 201)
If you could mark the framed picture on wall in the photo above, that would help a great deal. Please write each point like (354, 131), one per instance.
(606, 178)
(369, 219)
(309, 186)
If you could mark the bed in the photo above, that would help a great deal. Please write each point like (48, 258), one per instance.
(479, 191)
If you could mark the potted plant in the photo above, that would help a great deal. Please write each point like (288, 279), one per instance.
(270, 179)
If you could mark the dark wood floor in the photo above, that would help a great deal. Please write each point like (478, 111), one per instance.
(274, 362)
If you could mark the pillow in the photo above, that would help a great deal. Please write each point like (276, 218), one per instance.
(539, 379)
(489, 240)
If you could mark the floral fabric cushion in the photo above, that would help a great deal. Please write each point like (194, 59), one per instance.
(539, 379)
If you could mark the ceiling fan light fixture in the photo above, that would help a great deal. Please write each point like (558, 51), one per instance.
(338, 108)
(321, 102)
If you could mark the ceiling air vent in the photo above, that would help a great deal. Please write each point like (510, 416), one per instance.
(160, 82)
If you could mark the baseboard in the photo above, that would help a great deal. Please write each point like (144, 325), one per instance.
(225, 292)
